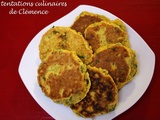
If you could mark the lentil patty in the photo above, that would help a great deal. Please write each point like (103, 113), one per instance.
(103, 33)
(85, 19)
(63, 77)
(102, 97)
(65, 38)
(119, 60)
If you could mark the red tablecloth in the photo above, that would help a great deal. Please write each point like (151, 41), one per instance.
(17, 30)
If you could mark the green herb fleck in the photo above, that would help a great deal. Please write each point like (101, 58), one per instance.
(44, 78)
(55, 32)
(87, 81)
(64, 36)
(82, 57)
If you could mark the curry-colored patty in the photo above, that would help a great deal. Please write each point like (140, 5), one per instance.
(103, 33)
(119, 60)
(85, 19)
(63, 77)
(102, 97)
(65, 38)
(95, 41)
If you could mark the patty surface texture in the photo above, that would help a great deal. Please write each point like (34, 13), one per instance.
(85, 19)
(119, 60)
(102, 96)
(65, 38)
(63, 77)
(103, 33)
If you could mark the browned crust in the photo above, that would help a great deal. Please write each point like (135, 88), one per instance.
(119, 60)
(103, 33)
(67, 82)
(101, 98)
(85, 19)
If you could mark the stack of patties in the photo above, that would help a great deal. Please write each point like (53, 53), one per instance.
(111, 52)
(83, 66)
(110, 44)
(62, 74)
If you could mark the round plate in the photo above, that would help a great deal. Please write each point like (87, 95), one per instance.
(128, 95)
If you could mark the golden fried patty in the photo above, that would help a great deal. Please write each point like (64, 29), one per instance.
(65, 38)
(102, 33)
(119, 60)
(63, 77)
(102, 96)
(85, 19)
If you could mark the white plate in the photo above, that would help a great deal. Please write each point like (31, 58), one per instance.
(128, 95)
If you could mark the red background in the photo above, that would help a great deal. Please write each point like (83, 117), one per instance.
(16, 31)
